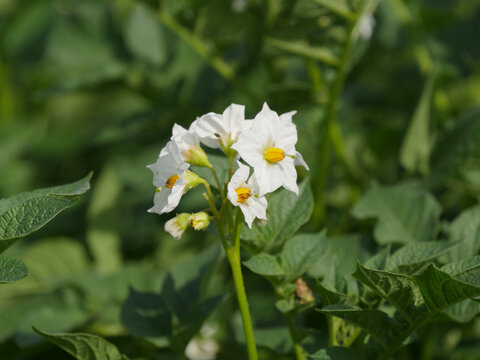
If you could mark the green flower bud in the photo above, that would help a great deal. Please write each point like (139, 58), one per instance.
(177, 226)
(199, 221)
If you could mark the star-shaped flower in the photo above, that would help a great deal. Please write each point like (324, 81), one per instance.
(189, 145)
(244, 194)
(221, 130)
(269, 147)
(169, 177)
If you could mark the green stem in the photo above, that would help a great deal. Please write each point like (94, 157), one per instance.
(217, 63)
(217, 181)
(234, 259)
(233, 254)
(331, 134)
(299, 353)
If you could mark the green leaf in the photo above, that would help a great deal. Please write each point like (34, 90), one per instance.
(375, 322)
(83, 346)
(299, 254)
(405, 213)
(146, 315)
(465, 229)
(302, 251)
(412, 257)
(415, 150)
(287, 213)
(419, 296)
(144, 37)
(399, 290)
(338, 262)
(455, 148)
(11, 269)
(440, 290)
(25, 213)
(264, 264)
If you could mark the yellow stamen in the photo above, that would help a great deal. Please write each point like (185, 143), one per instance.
(243, 194)
(274, 155)
(171, 181)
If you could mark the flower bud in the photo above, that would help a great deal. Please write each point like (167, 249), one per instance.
(199, 221)
(192, 180)
(177, 226)
(197, 156)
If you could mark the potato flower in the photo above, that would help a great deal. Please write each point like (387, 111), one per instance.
(269, 147)
(244, 194)
(169, 177)
(221, 130)
(189, 145)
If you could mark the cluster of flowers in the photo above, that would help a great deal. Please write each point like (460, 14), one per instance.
(266, 143)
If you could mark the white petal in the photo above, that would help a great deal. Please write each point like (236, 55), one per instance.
(209, 129)
(254, 208)
(172, 227)
(299, 161)
(183, 138)
(234, 118)
(176, 194)
(239, 179)
(169, 163)
(289, 174)
(160, 200)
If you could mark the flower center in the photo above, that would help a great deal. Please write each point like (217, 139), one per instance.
(171, 181)
(274, 155)
(243, 194)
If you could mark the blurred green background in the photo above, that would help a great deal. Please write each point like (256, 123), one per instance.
(97, 85)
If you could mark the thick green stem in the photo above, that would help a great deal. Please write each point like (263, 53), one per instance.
(299, 353)
(232, 250)
(234, 259)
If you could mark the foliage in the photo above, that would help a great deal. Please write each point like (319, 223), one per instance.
(388, 121)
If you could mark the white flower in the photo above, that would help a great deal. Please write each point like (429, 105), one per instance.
(245, 195)
(221, 130)
(169, 177)
(269, 147)
(189, 145)
(178, 225)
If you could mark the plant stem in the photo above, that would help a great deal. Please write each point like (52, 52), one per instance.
(232, 250)
(217, 181)
(331, 134)
(217, 63)
(299, 353)
(234, 259)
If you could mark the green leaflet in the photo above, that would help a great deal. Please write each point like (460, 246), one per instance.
(11, 269)
(299, 254)
(416, 298)
(465, 229)
(144, 37)
(25, 213)
(415, 151)
(287, 212)
(84, 346)
(455, 148)
(405, 213)
(413, 257)
(174, 315)
(378, 324)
